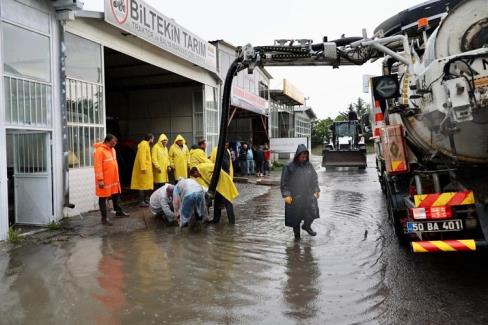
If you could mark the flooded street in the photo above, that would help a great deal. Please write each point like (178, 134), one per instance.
(353, 271)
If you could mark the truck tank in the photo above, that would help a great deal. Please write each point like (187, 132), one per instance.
(448, 89)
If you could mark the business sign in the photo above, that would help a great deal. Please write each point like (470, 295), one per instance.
(293, 92)
(286, 145)
(145, 22)
(248, 101)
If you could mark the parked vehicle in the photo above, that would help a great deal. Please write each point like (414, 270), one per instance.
(430, 115)
(432, 136)
(346, 147)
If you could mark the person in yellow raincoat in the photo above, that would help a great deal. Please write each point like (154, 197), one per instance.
(227, 161)
(198, 155)
(160, 161)
(226, 190)
(142, 173)
(179, 157)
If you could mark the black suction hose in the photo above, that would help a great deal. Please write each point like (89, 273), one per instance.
(224, 120)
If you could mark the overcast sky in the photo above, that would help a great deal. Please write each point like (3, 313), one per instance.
(260, 22)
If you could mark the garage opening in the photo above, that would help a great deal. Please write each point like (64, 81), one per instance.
(142, 98)
(247, 126)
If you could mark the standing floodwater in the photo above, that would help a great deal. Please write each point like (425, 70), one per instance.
(253, 273)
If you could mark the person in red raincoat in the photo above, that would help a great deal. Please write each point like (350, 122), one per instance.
(107, 182)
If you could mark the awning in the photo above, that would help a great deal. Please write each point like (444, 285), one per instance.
(248, 101)
(282, 98)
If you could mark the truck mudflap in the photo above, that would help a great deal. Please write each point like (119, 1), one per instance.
(439, 246)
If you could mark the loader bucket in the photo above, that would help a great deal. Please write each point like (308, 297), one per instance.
(338, 158)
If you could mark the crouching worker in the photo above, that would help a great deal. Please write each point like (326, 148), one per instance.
(161, 203)
(226, 190)
(189, 202)
(300, 190)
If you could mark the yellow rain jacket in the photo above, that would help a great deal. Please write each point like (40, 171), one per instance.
(213, 157)
(160, 160)
(198, 156)
(142, 176)
(179, 158)
(225, 185)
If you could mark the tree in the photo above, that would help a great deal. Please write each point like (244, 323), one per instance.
(320, 131)
(360, 107)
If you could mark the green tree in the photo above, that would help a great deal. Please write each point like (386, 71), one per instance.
(360, 107)
(320, 131)
(363, 111)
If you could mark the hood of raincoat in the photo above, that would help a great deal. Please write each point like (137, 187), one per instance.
(161, 138)
(180, 137)
(301, 148)
(101, 144)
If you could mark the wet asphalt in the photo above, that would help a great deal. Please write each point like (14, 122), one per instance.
(353, 271)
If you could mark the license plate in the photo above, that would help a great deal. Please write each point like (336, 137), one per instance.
(435, 226)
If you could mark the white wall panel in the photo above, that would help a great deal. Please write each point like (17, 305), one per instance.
(81, 191)
(28, 14)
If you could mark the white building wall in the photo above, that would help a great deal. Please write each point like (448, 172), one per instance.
(3, 156)
(82, 191)
(39, 16)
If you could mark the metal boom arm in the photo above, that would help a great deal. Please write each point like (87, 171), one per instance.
(343, 51)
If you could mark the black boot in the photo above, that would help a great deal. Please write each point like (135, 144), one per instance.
(102, 202)
(296, 231)
(307, 226)
(118, 210)
(230, 213)
(232, 219)
(217, 214)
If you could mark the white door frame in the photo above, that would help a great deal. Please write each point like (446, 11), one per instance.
(37, 208)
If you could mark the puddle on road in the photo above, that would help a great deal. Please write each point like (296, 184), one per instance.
(250, 273)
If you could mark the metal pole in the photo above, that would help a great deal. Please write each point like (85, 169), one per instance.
(64, 118)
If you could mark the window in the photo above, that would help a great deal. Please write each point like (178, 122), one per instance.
(27, 103)
(27, 89)
(83, 59)
(274, 122)
(198, 115)
(263, 90)
(211, 118)
(26, 54)
(86, 124)
(84, 99)
(30, 153)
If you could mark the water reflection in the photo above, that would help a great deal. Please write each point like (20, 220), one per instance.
(112, 280)
(301, 290)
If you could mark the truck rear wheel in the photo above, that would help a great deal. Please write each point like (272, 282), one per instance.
(393, 213)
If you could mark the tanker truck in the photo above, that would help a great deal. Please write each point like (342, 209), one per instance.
(431, 126)
(430, 115)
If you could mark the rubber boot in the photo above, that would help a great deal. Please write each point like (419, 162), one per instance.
(230, 213)
(232, 218)
(118, 210)
(142, 199)
(102, 202)
(307, 226)
(217, 215)
(296, 231)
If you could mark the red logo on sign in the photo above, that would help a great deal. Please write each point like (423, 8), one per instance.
(120, 10)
